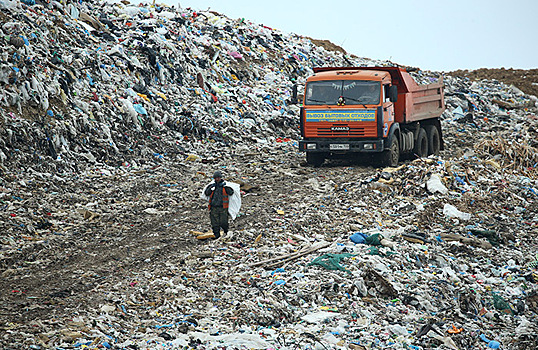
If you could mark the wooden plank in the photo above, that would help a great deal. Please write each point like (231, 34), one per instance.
(292, 256)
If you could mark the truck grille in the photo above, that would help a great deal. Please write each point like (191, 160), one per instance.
(333, 131)
(340, 133)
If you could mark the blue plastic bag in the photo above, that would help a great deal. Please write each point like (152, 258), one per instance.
(358, 237)
(140, 109)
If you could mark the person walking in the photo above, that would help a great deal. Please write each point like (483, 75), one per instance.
(219, 198)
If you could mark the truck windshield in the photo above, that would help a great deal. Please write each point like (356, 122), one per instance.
(354, 92)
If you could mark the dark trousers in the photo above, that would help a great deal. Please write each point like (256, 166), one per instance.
(219, 219)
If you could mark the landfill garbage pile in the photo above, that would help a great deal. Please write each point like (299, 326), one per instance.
(114, 118)
(108, 83)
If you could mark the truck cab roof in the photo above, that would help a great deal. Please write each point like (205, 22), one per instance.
(399, 76)
(349, 74)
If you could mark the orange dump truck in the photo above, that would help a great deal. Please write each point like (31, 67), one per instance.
(377, 110)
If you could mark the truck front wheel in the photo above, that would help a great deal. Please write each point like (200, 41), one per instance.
(391, 156)
(315, 158)
(434, 141)
(421, 144)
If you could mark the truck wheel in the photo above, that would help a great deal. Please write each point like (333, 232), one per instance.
(391, 156)
(434, 141)
(421, 144)
(314, 158)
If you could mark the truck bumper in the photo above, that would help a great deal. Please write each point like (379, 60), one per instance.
(339, 146)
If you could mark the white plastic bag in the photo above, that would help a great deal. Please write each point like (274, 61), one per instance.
(453, 212)
(234, 204)
(8, 4)
(434, 184)
(73, 11)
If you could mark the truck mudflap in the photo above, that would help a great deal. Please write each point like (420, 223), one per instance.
(342, 146)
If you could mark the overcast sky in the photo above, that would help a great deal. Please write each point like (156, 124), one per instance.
(429, 34)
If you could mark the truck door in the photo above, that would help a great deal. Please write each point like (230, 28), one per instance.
(388, 110)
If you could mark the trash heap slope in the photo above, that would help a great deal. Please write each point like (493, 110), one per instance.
(115, 116)
(111, 83)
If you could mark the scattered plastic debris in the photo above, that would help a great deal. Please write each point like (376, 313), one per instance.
(113, 115)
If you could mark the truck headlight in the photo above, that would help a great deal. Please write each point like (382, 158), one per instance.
(310, 146)
(368, 146)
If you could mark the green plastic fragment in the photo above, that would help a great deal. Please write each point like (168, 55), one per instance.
(331, 261)
(374, 239)
(501, 304)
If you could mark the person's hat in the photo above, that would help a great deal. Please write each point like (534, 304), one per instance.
(217, 174)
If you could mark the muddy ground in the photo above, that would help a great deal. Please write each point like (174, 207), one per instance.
(67, 268)
(112, 233)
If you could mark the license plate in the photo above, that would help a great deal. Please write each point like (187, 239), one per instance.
(338, 146)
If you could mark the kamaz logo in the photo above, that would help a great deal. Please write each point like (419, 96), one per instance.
(340, 128)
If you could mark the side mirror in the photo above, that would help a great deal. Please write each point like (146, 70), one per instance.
(393, 93)
(294, 94)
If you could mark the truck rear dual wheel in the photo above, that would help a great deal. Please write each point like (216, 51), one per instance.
(434, 141)
(315, 158)
(421, 144)
(391, 156)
